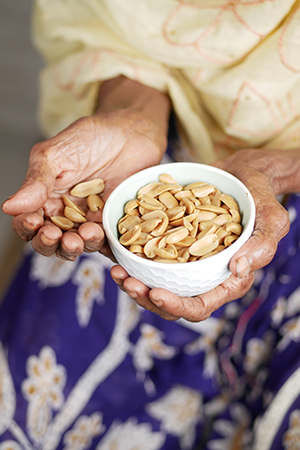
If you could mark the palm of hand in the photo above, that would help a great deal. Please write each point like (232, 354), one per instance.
(93, 147)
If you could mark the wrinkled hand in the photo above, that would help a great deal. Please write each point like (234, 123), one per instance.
(265, 174)
(111, 146)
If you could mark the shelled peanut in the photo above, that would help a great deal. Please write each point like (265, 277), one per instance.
(171, 223)
(73, 213)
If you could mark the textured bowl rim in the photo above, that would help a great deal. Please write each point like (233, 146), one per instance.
(225, 254)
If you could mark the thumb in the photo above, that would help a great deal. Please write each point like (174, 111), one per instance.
(33, 193)
(272, 224)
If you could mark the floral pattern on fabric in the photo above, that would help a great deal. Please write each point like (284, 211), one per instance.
(206, 342)
(150, 345)
(83, 432)
(131, 436)
(179, 412)
(234, 432)
(43, 389)
(89, 277)
(107, 374)
(291, 439)
(10, 445)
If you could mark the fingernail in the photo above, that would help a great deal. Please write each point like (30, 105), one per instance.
(9, 198)
(132, 294)
(157, 301)
(118, 281)
(242, 267)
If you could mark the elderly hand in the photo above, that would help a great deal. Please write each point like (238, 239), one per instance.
(122, 138)
(266, 174)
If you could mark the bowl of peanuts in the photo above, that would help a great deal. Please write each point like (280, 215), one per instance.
(177, 225)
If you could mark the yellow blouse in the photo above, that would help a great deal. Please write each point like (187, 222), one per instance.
(230, 67)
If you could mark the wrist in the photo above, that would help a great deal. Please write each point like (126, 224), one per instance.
(283, 170)
(280, 167)
(143, 108)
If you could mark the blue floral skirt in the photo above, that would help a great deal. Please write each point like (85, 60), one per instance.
(83, 367)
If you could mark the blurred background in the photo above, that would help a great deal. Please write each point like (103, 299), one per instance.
(19, 70)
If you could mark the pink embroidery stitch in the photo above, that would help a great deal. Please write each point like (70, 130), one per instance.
(81, 64)
(283, 57)
(229, 6)
(292, 105)
(230, 120)
(70, 85)
(282, 111)
(237, 341)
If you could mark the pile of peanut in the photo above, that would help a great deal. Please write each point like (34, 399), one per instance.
(171, 223)
(73, 213)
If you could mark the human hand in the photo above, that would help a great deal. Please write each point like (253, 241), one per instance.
(111, 147)
(266, 174)
(127, 133)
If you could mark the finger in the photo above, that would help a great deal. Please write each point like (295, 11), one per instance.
(47, 239)
(35, 190)
(199, 308)
(92, 236)
(118, 274)
(137, 291)
(272, 224)
(71, 246)
(140, 294)
(26, 225)
(272, 221)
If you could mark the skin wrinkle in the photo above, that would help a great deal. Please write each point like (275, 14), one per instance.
(135, 127)
(267, 206)
(193, 316)
(283, 173)
(78, 150)
(32, 226)
(55, 161)
(115, 137)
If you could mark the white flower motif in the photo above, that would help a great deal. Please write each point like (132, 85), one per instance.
(291, 439)
(232, 309)
(90, 279)
(9, 445)
(293, 303)
(150, 345)
(235, 433)
(83, 432)
(257, 352)
(259, 274)
(179, 411)
(7, 393)
(206, 343)
(43, 390)
(131, 436)
(278, 312)
(290, 332)
(51, 271)
(292, 213)
(216, 405)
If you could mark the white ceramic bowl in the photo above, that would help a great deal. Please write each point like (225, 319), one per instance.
(184, 279)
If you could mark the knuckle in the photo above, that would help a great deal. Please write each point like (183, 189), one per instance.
(266, 248)
(285, 223)
(197, 310)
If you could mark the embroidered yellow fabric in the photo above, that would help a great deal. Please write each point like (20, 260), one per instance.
(230, 67)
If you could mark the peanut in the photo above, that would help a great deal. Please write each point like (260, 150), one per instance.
(73, 213)
(87, 188)
(71, 204)
(94, 202)
(62, 222)
(174, 223)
